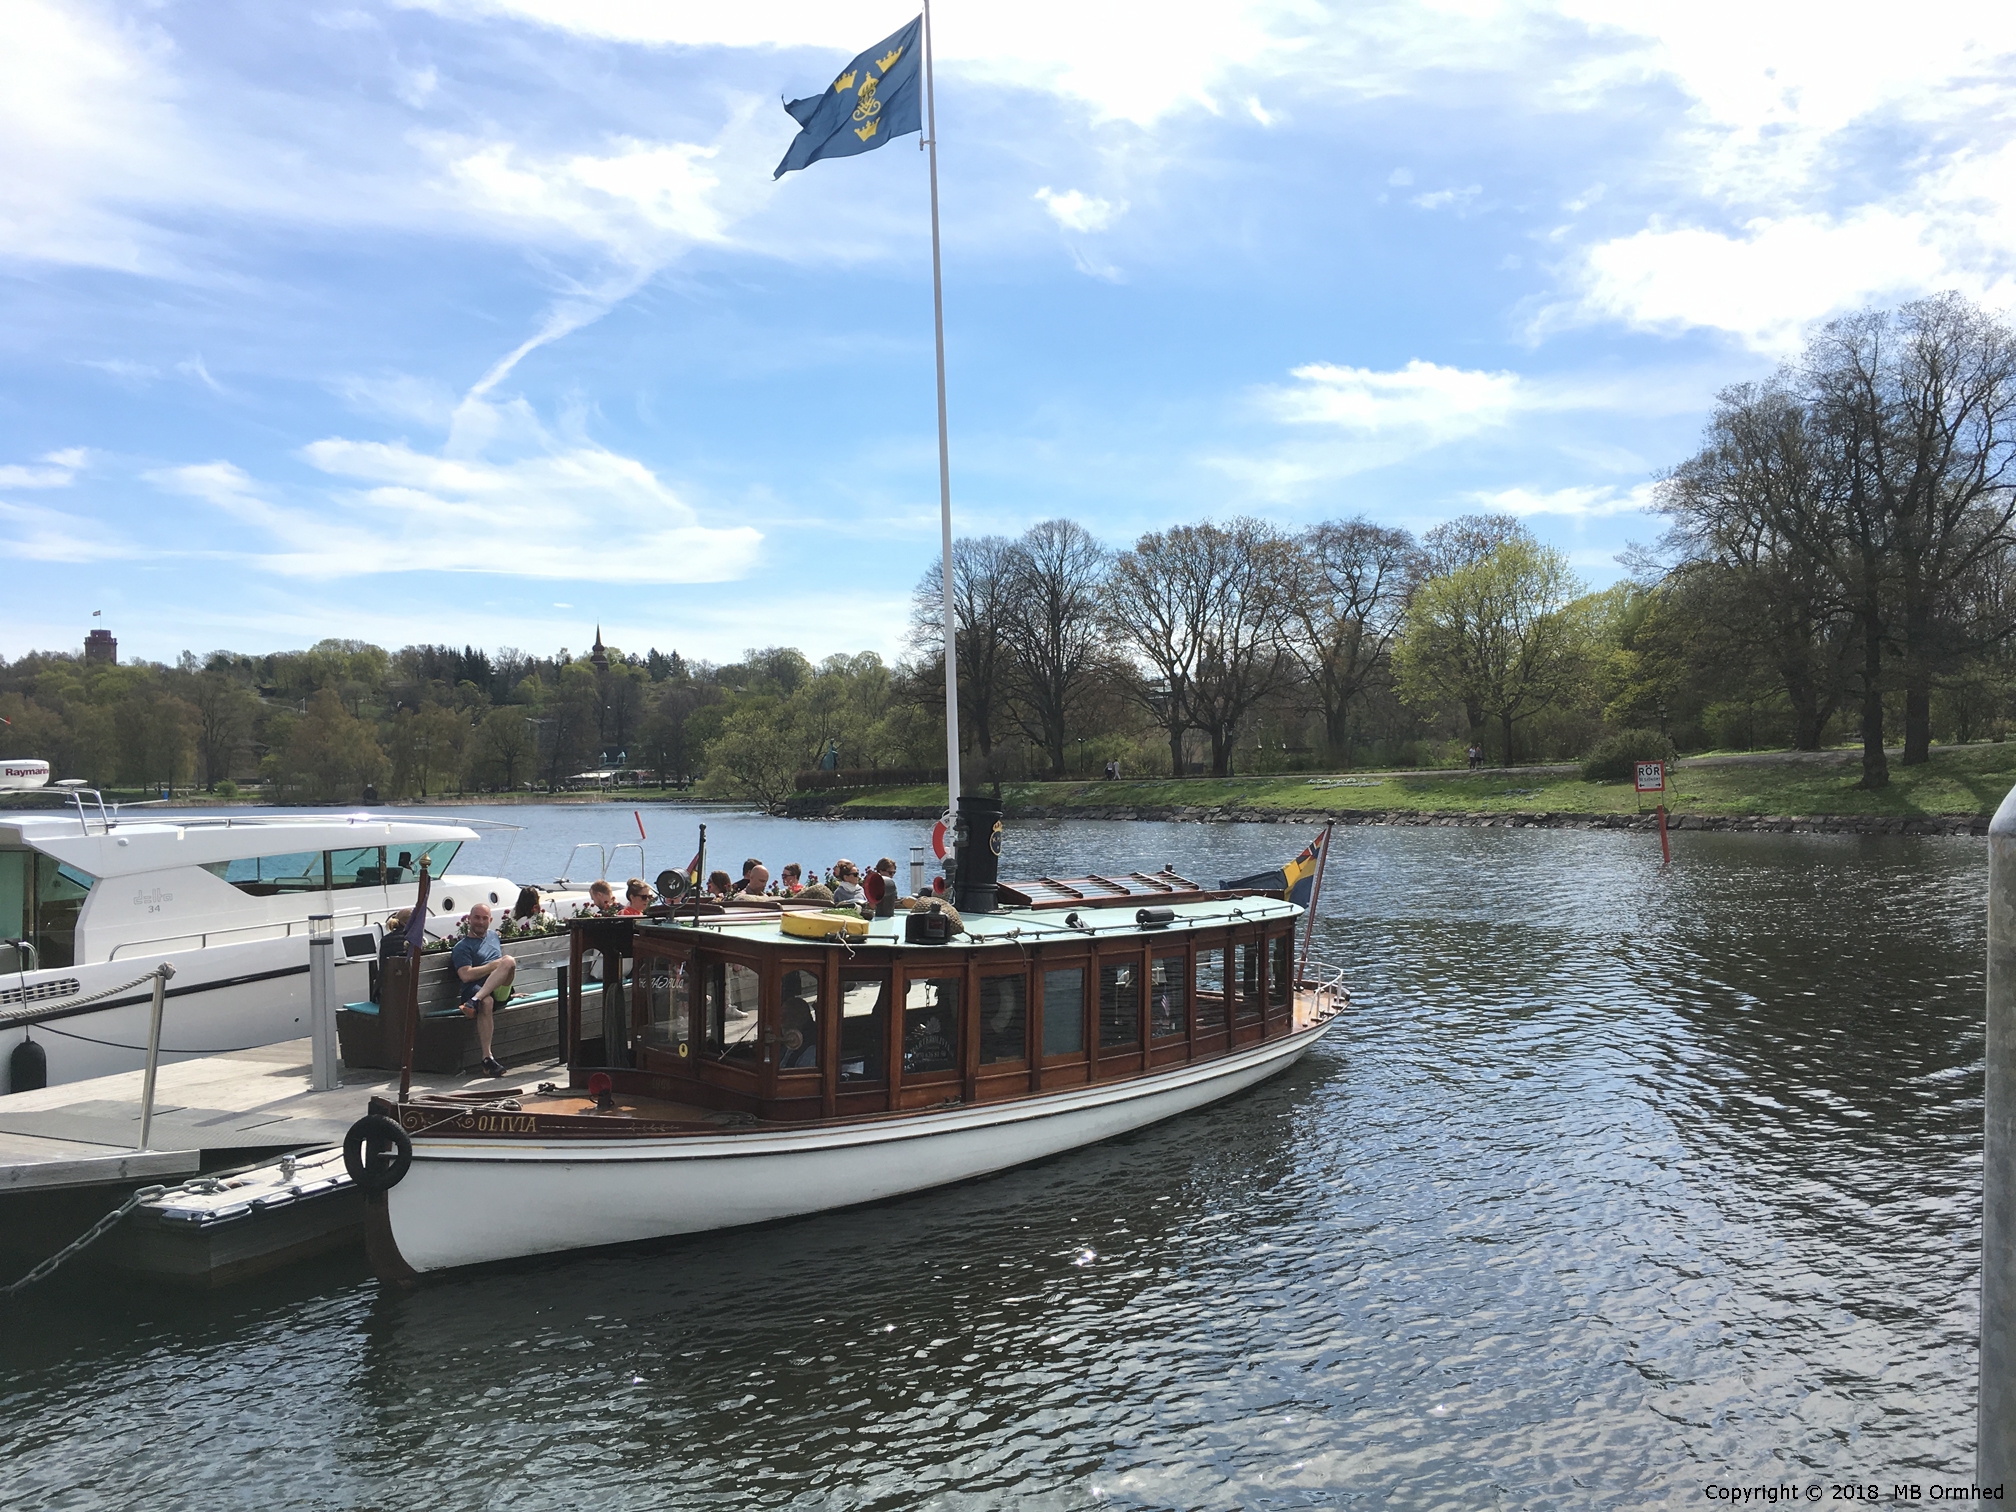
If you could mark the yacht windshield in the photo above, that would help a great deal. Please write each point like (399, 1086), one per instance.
(40, 898)
(317, 871)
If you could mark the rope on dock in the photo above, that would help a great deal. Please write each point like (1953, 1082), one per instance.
(67, 1005)
(165, 1049)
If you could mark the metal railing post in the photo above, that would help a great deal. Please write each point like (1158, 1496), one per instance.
(161, 974)
(1995, 1451)
(324, 1073)
(565, 1047)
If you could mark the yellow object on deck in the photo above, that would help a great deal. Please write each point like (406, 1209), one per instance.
(821, 926)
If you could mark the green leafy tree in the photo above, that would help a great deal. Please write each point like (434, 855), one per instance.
(226, 712)
(1501, 636)
(330, 754)
(502, 747)
(157, 736)
(757, 755)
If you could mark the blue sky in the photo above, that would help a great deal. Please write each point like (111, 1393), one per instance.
(483, 320)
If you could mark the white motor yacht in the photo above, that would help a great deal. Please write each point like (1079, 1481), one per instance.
(91, 900)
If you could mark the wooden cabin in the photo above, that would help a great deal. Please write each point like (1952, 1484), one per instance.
(1071, 982)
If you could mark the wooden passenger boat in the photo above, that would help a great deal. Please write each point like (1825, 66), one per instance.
(740, 1073)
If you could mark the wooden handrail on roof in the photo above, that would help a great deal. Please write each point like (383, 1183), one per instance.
(1094, 891)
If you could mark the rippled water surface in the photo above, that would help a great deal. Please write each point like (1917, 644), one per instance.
(1613, 1184)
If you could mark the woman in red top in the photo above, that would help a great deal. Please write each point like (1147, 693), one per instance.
(637, 896)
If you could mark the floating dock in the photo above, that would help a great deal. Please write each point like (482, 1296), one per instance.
(69, 1153)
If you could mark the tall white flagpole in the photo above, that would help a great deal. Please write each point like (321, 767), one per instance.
(944, 448)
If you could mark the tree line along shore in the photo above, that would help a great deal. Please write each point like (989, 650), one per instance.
(1837, 564)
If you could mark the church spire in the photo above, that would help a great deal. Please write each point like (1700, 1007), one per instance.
(599, 658)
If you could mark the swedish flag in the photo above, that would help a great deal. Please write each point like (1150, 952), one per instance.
(876, 97)
(1301, 872)
(1296, 881)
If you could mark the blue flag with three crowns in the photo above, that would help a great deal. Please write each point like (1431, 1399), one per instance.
(876, 97)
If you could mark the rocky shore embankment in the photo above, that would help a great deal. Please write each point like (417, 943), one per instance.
(1781, 824)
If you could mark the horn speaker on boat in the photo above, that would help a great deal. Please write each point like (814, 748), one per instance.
(977, 852)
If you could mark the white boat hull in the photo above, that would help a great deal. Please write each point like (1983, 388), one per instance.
(473, 1201)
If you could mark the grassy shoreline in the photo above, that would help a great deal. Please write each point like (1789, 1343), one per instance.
(1957, 783)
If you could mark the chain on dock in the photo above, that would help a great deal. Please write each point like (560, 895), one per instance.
(197, 1185)
(97, 1231)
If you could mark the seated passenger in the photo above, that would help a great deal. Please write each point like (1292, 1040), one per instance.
(846, 882)
(528, 905)
(486, 974)
(801, 1037)
(601, 897)
(717, 886)
(637, 896)
(793, 880)
(755, 880)
(393, 947)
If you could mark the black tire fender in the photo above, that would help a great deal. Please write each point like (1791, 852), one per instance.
(377, 1153)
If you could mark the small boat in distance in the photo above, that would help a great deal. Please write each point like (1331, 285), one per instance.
(757, 1066)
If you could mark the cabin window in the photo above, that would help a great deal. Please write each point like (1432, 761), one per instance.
(1064, 1011)
(1168, 989)
(1119, 1005)
(798, 1022)
(931, 1025)
(1004, 1019)
(864, 1009)
(668, 1003)
(402, 863)
(1247, 1004)
(731, 1006)
(266, 876)
(1280, 971)
(1211, 990)
(40, 898)
(357, 868)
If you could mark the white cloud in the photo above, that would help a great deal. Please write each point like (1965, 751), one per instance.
(578, 512)
(124, 369)
(1400, 178)
(1425, 399)
(582, 512)
(58, 470)
(226, 486)
(399, 396)
(1347, 420)
(1442, 199)
(1117, 66)
(1769, 279)
(30, 533)
(640, 201)
(1075, 210)
(416, 86)
(1594, 501)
